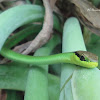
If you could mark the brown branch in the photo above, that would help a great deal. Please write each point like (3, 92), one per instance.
(22, 47)
(3, 95)
(46, 31)
(52, 3)
(4, 61)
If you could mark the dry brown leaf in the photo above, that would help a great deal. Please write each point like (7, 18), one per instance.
(89, 25)
(54, 7)
(88, 14)
(85, 8)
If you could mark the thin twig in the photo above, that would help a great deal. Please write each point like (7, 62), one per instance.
(2, 7)
(4, 61)
(46, 31)
(3, 95)
(22, 47)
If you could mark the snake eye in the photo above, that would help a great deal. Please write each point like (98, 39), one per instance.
(82, 58)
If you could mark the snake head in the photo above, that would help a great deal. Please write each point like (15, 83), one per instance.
(86, 59)
(87, 56)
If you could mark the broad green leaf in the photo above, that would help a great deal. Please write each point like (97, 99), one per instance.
(15, 17)
(13, 76)
(85, 84)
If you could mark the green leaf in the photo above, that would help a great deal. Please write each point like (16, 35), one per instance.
(15, 17)
(13, 76)
(85, 84)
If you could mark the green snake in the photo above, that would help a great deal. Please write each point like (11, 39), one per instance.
(81, 58)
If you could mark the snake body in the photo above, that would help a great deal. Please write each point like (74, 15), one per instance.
(72, 58)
